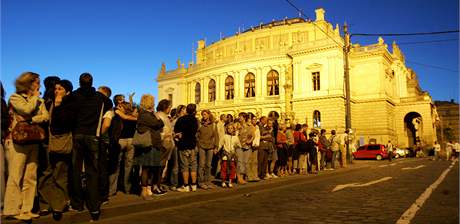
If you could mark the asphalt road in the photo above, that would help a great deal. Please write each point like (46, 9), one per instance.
(366, 192)
(311, 199)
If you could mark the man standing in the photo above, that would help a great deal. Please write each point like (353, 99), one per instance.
(390, 151)
(186, 128)
(437, 150)
(89, 106)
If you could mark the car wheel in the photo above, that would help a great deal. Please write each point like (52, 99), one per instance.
(378, 157)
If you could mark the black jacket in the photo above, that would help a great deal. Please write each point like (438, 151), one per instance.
(147, 121)
(188, 126)
(87, 105)
(62, 117)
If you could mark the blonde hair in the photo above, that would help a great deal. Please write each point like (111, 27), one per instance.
(147, 102)
(24, 82)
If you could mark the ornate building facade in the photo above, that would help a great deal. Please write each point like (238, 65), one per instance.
(296, 67)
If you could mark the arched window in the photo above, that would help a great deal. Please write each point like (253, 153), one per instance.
(197, 93)
(316, 119)
(273, 83)
(229, 88)
(250, 85)
(212, 90)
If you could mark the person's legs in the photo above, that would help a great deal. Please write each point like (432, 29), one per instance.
(129, 160)
(77, 170)
(175, 169)
(13, 195)
(202, 167)
(193, 165)
(207, 166)
(91, 158)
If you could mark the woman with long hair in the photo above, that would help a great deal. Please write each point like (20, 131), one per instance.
(26, 106)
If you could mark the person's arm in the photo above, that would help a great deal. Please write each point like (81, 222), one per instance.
(23, 106)
(125, 116)
(42, 114)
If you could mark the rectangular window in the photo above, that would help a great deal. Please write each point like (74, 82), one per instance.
(170, 98)
(315, 79)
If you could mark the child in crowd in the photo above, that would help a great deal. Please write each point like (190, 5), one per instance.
(230, 143)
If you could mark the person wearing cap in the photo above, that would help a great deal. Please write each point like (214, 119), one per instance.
(53, 185)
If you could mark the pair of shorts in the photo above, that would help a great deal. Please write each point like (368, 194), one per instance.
(188, 160)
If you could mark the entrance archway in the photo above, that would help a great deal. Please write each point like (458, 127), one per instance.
(413, 124)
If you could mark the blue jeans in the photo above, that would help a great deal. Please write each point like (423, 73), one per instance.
(85, 150)
(204, 168)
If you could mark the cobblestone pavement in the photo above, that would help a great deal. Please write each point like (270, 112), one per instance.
(303, 199)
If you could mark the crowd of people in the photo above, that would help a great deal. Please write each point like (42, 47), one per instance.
(75, 149)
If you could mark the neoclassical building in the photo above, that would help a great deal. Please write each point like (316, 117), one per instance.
(296, 67)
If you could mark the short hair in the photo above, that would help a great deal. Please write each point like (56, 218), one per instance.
(86, 80)
(244, 115)
(311, 135)
(116, 98)
(173, 112)
(223, 116)
(24, 82)
(333, 132)
(50, 81)
(298, 127)
(106, 90)
(323, 131)
(147, 102)
(66, 84)
(163, 105)
(191, 108)
(179, 109)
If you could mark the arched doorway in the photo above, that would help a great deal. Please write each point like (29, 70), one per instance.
(413, 124)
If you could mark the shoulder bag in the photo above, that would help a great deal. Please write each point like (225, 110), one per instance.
(62, 143)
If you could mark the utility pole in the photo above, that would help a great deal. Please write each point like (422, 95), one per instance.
(346, 52)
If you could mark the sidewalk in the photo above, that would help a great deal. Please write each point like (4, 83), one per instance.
(123, 204)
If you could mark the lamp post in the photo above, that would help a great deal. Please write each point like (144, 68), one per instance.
(346, 51)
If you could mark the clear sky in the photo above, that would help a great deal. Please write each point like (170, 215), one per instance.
(123, 43)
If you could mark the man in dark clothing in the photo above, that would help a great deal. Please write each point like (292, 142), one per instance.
(89, 107)
(185, 129)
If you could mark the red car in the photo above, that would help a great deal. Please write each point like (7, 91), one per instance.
(371, 151)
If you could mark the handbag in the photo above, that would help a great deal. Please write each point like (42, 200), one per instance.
(142, 140)
(25, 133)
(62, 143)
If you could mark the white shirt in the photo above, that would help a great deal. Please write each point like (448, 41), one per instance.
(109, 114)
(231, 143)
(437, 147)
(256, 141)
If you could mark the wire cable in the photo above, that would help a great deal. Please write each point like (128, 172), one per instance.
(405, 34)
(310, 21)
(433, 66)
(427, 42)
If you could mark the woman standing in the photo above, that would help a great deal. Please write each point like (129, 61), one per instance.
(53, 185)
(207, 146)
(26, 106)
(149, 158)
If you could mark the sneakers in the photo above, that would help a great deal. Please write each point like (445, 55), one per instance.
(183, 189)
(158, 192)
(230, 185)
(26, 216)
(267, 177)
(224, 185)
(193, 188)
(274, 176)
(204, 186)
(173, 188)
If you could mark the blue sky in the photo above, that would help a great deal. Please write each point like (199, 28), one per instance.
(123, 43)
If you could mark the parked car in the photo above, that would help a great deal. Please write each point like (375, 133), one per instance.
(371, 151)
(397, 153)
